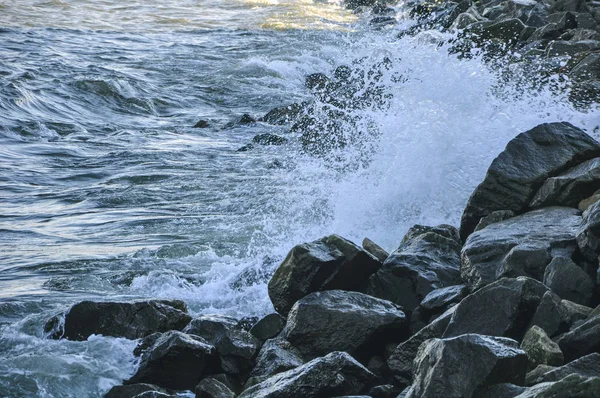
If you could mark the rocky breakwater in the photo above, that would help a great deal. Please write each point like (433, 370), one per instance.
(505, 306)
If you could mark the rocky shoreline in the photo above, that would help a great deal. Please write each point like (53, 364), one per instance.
(507, 305)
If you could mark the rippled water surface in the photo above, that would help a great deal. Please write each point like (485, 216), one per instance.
(107, 192)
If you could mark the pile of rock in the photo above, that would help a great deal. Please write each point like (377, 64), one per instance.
(502, 307)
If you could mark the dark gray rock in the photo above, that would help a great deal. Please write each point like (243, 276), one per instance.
(587, 202)
(337, 320)
(587, 69)
(540, 370)
(459, 366)
(134, 390)
(384, 391)
(428, 258)
(246, 119)
(494, 217)
(269, 139)
(202, 124)
(275, 356)
(400, 362)
(582, 340)
(504, 308)
(588, 235)
(213, 388)
(129, 320)
(521, 169)
(439, 300)
(571, 48)
(570, 187)
(284, 115)
(268, 327)
(334, 374)
(572, 386)
(177, 360)
(502, 390)
(556, 316)
(375, 249)
(569, 281)
(326, 264)
(540, 349)
(587, 366)
(520, 246)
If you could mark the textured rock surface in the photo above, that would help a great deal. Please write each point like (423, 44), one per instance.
(572, 386)
(587, 366)
(134, 390)
(375, 249)
(519, 171)
(588, 235)
(337, 320)
(439, 300)
(569, 281)
(520, 246)
(213, 388)
(268, 327)
(582, 340)
(275, 356)
(540, 349)
(326, 264)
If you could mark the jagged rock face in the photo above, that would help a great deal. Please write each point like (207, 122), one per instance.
(572, 386)
(582, 340)
(326, 264)
(213, 388)
(587, 366)
(337, 320)
(504, 308)
(459, 366)
(569, 281)
(519, 246)
(588, 235)
(275, 356)
(335, 374)
(428, 258)
(129, 320)
(540, 349)
(177, 360)
(268, 327)
(520, 170)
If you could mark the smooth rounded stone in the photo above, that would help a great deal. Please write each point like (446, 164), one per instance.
(520, 170)
(269, 139)
(520, 246)
(572, 386)
(587, 202)
(134, 390)
(337, 320)
(375, 249)
(401, 360)
(177, 360)
(587, 69)
(275, 356)
(504, 308)
(325, 264)
(334, 374)
(428, 258)
(582, 340)
(569, 281)
(213, 388)
(501, 390)
(129, 320)
(459, 366)
(588, 235)
(540, 349)
(236, 347)
(587, 366)
(439, 300)
(494, 217)
(268, 327)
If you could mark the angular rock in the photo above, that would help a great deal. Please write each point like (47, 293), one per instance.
(520, 246)
(539, 371)
(212, 388)
(202, 124)
(177, 360)
(588, 235)
(375, 249)
(583, 340)
(502, 390)
(587, 202)
(439, 300)
(326, 264)
(268, 327)
(284, 114)
(555, 316)
(269, 139)
(569, 281)
(459, 366)
(572, 386)
(334, 374)
(428, 258)
(587, 69)
(275, 356)
(494, 217)
(540, 349)
(134, 390)
(504, 308)
(337, 320)
(587, 366)
(521, 169)
(129, 320)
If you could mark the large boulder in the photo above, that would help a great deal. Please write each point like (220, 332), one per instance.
(519, 246)
(540, 349)
(519, 171)
(570, 187)
(213, 388)
(428, 258)
(572, 386)
(504, 308)
(337, 320)
(569, 281)
(268, 327)
(459, 366)
(587, 366)
(129, 320)
(176, 360)
(325, 264)
(556, 316)
(588, 235)
(335, 374)
(582, 340)
(275, 356)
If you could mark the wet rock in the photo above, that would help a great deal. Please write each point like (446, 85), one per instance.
(275, 356)
(569, 281)
(582, 340)
(494, 217)
(428, 258)
(572, 386)
(520, 246)
(285, 114)
(587, 366)
(400, 362)
(245, 148)
(587, 69)
(246, 119)
(439, 300)
(246, 323)
(540, 349)
(213, 388)
(337, 320)
(571, 48)
(570, 187)
(588, 235)
(269, 139)
(328, 263)
(375, 249)
(556, 316)
(587, 202)
(129, 320)
(521, 169)
(508, 31)
(384, 391)
(334, 374)
(134, 390)
(202, 124)
(459, 366)
(177, 360)
(268, 327)
(540, 370)
(501, 390)
(504, 308)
